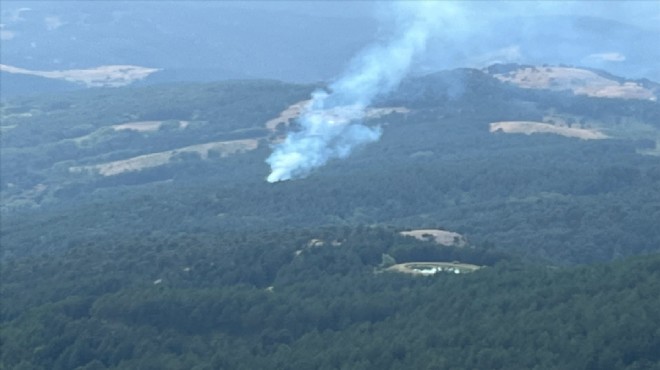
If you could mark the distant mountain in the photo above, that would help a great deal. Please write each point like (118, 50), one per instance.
(17, 84)
(593, 42)
(230, 43)
(30, 82)
(233, 42)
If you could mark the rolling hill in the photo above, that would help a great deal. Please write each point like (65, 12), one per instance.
(440, 162)
(138, 230)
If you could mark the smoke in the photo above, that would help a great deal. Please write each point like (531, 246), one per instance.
(331, 126)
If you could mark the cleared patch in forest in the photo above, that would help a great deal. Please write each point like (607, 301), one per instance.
(442, 237)
(219, 148)
(579, 81)
(530, 127)
(147, 126)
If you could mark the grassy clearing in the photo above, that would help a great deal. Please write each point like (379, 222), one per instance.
(220, 148)
(579, 81)
(147, 126)
(529, 127)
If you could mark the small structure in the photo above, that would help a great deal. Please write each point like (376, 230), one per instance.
(432, 268)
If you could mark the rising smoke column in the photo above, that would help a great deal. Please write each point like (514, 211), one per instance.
(331, 124)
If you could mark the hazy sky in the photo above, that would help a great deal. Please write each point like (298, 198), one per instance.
(642, 13)
(315, 39)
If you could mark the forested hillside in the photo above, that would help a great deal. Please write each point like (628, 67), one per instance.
(273, 300)
(138, 231)
(186, 158)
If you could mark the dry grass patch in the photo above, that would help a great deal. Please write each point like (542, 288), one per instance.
(287, 115)
(145, 126)
(112, 76)
(579, 81)
(529, 127)
(222, 148)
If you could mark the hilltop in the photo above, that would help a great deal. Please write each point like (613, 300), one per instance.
(580, 81)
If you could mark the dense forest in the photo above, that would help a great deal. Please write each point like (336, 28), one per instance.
(274, 301)
(196, 262)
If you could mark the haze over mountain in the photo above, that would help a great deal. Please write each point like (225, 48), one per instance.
(299, 43)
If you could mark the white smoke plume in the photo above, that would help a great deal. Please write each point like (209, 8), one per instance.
(331, 125)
